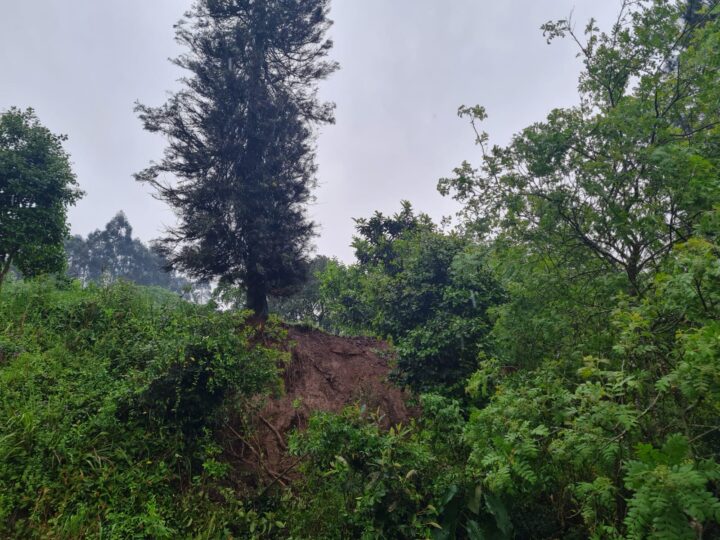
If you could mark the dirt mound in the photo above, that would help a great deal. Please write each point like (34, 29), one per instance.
(325, 373)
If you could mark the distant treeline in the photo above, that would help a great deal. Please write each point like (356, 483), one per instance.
(112, 253)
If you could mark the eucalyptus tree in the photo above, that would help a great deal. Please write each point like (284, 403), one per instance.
(241, 142)
(112, 253)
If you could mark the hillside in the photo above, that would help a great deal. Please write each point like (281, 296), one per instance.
(121, 408)
(325, 373)
(544, 364)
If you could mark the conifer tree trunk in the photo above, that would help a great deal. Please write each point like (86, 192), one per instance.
(257, 299)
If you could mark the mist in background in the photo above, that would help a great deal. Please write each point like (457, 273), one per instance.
(406, 66)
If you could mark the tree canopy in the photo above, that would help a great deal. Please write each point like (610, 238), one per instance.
(241, 142)
(37, 185)
(626, 174)
(428, 291)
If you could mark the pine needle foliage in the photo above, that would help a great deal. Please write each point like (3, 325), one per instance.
(241, 142)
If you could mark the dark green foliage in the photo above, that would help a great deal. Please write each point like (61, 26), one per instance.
(108, 400)
(579, 441)
(406, 482)
(574, 321)
(304, 306)
(556, 306)
(36, 187)
(374, 245)
(624, 175)
(371, 481)
(623, 445)
(597, 414)
(403, 483)
(241, 142)
(428, 291)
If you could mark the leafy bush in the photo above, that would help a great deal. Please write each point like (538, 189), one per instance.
(362, 481)
(108, 401)
(669, 490)
(427, 291)
(581, 440)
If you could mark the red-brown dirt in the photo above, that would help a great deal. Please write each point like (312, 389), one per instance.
(325, 373)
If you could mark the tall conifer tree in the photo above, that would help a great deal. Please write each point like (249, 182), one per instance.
(241, 142)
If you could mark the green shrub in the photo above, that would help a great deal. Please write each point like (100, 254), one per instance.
(361, 481)
(427, 291)
(108, 402)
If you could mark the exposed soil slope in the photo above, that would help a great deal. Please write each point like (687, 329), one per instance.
(325, 373)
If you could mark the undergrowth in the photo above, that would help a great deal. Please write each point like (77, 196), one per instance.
(108, 402)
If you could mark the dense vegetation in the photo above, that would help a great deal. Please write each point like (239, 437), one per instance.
(594, 409)
(36, 187)
(562, 343)
(428, 291)
(602, 426)
(110, 397)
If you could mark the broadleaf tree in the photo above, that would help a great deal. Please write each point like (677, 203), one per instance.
(37, 185)
(625, 175)
(241, 142)
(427, 290)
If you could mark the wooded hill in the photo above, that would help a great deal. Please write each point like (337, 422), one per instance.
(547, 367)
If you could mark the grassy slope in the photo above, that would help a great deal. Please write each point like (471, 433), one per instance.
(108, 397)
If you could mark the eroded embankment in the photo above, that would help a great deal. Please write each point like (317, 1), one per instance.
(325, 373)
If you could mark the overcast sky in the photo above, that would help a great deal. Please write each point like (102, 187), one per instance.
(406, 66)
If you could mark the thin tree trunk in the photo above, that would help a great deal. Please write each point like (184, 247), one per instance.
(633, 272)
(6, 269)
